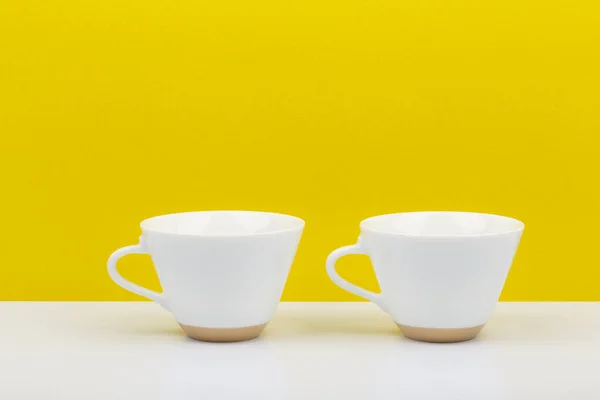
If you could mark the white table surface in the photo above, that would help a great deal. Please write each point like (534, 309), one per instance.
(309, 351)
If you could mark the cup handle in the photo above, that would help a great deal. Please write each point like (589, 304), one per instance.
(344, 284)
(124, 283)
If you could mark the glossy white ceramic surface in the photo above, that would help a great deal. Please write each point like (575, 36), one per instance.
(218, 269)
(435, 269)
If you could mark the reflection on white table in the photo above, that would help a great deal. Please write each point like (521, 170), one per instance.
(310, 351)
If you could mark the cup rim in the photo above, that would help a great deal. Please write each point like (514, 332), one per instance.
(298, 226)
(520, 225)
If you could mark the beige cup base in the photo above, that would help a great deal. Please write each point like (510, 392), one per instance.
(223, 334)
(439, 335)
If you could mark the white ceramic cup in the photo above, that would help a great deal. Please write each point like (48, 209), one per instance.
(222, 272)
(440, 273)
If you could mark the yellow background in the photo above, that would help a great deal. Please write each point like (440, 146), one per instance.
(115, 111)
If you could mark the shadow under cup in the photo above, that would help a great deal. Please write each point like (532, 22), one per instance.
(222, 272)
(440, 273)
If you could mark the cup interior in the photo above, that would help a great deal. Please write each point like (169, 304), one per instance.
(222, 223)
(442, 223)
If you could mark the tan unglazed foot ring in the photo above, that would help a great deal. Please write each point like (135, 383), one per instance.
(440, 335)
(223, 334)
